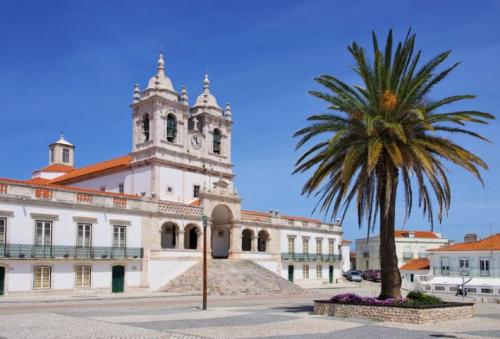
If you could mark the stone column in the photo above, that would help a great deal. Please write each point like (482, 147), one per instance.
(180, 240)
(254, 243)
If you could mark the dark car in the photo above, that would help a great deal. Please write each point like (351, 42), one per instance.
(354, 276)
(372, 275)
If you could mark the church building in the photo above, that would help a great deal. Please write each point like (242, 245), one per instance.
(134, 223)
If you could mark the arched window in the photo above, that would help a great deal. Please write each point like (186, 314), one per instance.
(145, 126)
(263, 239)
(169, 235)
(217, 140)
(246, 240)
(171, 128)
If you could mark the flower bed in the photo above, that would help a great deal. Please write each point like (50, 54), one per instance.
(398, 310)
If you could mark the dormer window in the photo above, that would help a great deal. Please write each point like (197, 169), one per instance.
(171, 128)
(65, 155)
(145, 126)
(217, 141)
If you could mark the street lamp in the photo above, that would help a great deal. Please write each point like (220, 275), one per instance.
(205, 225)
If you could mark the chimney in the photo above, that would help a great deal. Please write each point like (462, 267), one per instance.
(470, 237)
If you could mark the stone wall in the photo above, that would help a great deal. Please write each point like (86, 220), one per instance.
(396, 314)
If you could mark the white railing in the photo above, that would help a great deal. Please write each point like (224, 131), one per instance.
(168, 207)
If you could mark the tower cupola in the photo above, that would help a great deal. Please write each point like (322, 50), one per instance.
(206, 99)
(62, 152)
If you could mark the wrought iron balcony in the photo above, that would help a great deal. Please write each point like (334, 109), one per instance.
(311, 257)
(26, 251)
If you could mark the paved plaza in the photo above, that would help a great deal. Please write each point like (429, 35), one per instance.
(249, 317)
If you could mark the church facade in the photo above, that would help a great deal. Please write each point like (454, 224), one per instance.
(134, 223)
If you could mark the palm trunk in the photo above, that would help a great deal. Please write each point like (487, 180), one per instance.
(391, 279)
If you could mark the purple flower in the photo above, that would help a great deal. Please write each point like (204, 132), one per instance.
(356, 299)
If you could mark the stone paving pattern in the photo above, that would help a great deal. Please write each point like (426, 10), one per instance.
(256, 317)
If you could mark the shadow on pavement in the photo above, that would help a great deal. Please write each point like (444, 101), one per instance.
(296, 309)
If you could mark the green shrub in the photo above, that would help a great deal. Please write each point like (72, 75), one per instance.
(419, 298)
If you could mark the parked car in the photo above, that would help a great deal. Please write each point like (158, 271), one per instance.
(373, 275)
(354, 276)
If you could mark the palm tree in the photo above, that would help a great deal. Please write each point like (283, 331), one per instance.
(384, 133)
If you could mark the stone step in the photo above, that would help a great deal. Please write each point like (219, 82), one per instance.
(233, 277)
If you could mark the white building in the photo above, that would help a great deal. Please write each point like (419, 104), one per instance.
(133, 223)
(476, 262)
(409, 245)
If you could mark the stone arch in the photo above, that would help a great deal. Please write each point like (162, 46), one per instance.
(169, 235)
(221, 231)
(192, 234)
(145, 126)
(171, 127)
(247, 236)
(263, 241)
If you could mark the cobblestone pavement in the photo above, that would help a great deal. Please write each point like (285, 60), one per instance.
(250, 317)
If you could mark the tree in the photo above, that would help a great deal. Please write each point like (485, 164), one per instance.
(383, 135)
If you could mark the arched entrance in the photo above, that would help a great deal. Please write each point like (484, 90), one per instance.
(263, 239)
(221, 231)
(169, 235)
(246, 240)
(191, 233)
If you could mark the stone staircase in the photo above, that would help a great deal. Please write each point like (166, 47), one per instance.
(232, 277)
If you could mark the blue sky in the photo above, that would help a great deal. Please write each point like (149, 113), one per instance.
(70, 66)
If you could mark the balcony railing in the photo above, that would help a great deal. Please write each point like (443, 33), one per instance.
(407, 255)
(25, 251)
(493, 272)
(311, 257)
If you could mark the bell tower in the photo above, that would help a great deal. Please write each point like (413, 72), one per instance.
(182, 148)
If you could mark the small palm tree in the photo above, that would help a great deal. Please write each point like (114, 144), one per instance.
(384, 133)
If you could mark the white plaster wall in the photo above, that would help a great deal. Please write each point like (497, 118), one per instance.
(285, 233)
(346, 258)
(270, 265)
(19, 276)
(161, 272)
(21, 227)
(182, 183)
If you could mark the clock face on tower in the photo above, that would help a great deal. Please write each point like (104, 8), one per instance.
(196, 141)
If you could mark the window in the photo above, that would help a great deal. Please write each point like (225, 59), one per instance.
(331, 246)
(196, 191)
(119, 239)
(103, 188)
(170, 189)
(305, 245)
(486, 290)
(84, 238)
(171, 128)
(217, 141)
(319, 246)
(82, 276)
(145, 126)
(291, 245)
(484, 266)
(412, 277)
(65, 155)
(463, 263)
(121, 188)
(445, 265)
(319, 272)
(3, 231)
(52, 155)
(305, 272)
(41, 277)
(439, 288)
(43, 233)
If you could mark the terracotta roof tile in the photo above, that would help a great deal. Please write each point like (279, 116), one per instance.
(487, 244)
(417, 234)
(83, 172)
(57, 168)
(416, 264)
(39, 181)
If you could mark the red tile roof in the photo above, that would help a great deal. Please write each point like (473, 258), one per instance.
(57, 168)
(416, 264)
(417, 234)
(38, 181)
(487, 244)
(266, 214)
(346, 242)
(90, 170)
